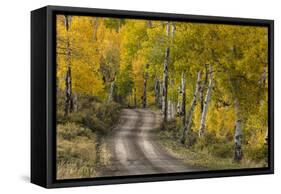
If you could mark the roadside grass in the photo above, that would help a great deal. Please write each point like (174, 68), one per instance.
(82, 146)
(79, 152)
(210, 156)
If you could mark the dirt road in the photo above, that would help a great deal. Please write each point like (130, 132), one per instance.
(134, 149)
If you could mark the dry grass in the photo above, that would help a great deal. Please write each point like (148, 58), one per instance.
(79, 152)
(205, 158)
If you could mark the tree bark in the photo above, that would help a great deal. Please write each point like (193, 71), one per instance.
(75, 102)
(188, 119)
(173, 32)
(135, 98)
(203, 88)
(238, 135)
(149, 24)
(157, 90)
(183, 109)
(206, 104)
(68, 105)
(238, 132)
(171, 110)
(179, 101)
(144, 90)
(266, 137)
(95, 24)
(68, 92)
(111, 91)
(165, 78)
(264, 76)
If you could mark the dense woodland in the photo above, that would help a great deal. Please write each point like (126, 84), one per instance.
(210, 82)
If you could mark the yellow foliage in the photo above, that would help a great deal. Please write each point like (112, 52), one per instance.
(84, 57)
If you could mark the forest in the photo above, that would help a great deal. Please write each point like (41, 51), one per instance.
(209, 82)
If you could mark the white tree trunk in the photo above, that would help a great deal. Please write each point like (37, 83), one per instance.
(183, 93)
(68, 105)
(171, 110)
(203, 88)
(188, 120)
(165, 78)
(75, 102)
(206, 104)
(111, 91)
(95, 26)
(238, 132)
(266, 137)
(179, 101)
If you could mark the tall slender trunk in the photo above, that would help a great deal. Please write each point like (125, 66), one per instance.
(179, 101)
(161, 94)
(238, 132)
(144, 90)
(171, 110)
(203, 88)
(183, 109)
(206, 104)
(264, 75)
(75, 102)
(111, 91)
(266, 137)
(238, 135)
(95, 30)
(157, 90)
(165, 78)
(173, 32)
(149, 24)
(171, 103)
(188, 119)
(68, 105)
(135, 97)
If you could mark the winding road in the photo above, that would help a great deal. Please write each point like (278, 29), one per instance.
(134, 149)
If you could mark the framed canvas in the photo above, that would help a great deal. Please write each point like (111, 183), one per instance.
(126, 96)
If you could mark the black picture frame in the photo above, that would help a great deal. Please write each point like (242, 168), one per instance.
(43, 96)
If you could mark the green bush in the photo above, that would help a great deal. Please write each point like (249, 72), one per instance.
(222, 150)
(256, 153)
(91, 113)
(205, 141)
(71, 131)
(192, 138)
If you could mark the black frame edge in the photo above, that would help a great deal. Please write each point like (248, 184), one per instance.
(271, 95)
(38, 97)
(159, 15)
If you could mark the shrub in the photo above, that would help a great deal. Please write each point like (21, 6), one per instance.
(222, 150)
(192, 138)
(256, 153)
(97, 116)
(71, 131)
